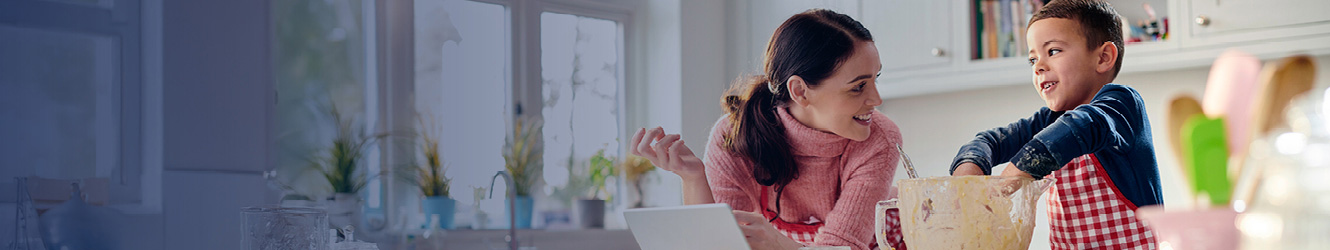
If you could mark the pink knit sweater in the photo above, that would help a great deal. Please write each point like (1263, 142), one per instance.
(840, 180)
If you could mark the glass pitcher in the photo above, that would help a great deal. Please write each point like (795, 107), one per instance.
(886, 224)
(275, 227)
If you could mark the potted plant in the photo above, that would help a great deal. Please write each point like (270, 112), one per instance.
(433, 184)
(591, 211)
(522, 160)
(634, 168)
(340, 166)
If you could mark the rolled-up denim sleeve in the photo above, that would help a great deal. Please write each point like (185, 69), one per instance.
(998, 145)
(1105, 123)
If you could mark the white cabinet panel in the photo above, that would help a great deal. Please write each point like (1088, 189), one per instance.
(1227, 16)
(765, 16)
(910, 33)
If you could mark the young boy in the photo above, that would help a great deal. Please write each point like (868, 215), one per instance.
(1093, 138)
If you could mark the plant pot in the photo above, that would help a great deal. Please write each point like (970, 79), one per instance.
(591, 213)
(523, 205)
(343, 209)
(440, 206)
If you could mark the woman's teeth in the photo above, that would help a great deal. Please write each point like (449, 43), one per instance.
(864, 117)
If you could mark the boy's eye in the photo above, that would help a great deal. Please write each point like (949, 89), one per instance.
(1032, 60)
(1054, 51)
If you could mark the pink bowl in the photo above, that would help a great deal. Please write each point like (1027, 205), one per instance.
(1212, 229)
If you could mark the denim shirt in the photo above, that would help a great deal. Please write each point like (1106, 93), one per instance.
(1113, 126)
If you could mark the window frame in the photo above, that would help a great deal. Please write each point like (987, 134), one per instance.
(135, 29)
(528, 82)
(396, 69)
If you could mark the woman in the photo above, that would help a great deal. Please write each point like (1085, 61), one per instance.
(801, 155)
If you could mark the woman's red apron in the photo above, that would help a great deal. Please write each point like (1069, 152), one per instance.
(799, 232)
(802, 233)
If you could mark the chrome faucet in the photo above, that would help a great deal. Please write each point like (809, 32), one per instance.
(512, 207)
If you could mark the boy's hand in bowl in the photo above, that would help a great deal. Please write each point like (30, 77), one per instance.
(968, 168)
(1008, 186)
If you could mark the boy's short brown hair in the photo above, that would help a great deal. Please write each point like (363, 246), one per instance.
(1099, 22)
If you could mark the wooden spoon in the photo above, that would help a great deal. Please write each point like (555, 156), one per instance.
(1281, 82)
(1180, 109)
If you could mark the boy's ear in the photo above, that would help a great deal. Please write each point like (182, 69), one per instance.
(798, 90)
(1108, 57)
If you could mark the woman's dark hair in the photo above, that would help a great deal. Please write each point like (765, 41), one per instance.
(810, 45)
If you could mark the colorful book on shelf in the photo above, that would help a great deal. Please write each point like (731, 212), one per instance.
(982, 36)
(1006, 35)
(1020, 18)
(976, 28)
(991, 43)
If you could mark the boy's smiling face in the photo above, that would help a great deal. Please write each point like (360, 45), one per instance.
(1066, 72)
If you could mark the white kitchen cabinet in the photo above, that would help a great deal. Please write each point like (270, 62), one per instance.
(1219, 22)
(926, 45)
(765, 16)
(1266, 28)
(921, 38)
(1222, 16)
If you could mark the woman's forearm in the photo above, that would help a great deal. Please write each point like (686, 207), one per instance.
(697, 190)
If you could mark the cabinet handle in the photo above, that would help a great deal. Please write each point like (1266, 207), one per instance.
(1203, 20)
(938, 52)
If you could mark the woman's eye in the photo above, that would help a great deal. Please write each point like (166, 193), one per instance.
(858, 88)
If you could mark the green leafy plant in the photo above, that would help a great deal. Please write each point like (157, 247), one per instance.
(522, 157)
(341, 164)
(430, 177)
(600, 169)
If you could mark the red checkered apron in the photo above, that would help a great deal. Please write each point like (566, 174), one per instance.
(895, 238)
(1086, 211)
(804, 233)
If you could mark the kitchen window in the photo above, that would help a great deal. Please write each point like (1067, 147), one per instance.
(471, 81)
(76, 102)
(462, 70)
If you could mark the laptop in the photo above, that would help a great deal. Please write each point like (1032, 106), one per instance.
(701, 227)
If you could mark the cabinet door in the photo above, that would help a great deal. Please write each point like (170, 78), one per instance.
(767, 15)
(910, 33)
(1224, 16)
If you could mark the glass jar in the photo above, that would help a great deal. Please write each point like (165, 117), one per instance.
(273, 227)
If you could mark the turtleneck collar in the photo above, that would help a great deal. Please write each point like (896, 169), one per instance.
(807, 141)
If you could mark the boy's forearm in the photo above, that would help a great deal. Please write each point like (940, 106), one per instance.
(972, 155)
(1003, 144)
(1036, 160)
(1105, 123)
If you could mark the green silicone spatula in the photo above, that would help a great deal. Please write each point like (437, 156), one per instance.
(1206, 154)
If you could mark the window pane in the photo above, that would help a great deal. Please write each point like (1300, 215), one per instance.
(462, 67)
(62, 116)
(321, 64)
(581, 79)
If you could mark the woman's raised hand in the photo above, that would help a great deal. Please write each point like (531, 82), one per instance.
(668, 152)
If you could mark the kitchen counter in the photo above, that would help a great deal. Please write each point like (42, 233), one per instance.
(538, 238)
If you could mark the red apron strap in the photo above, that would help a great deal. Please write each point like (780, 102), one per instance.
(782, 224)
